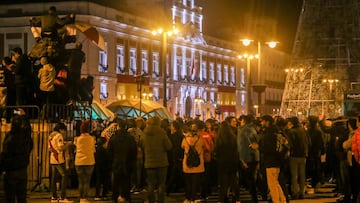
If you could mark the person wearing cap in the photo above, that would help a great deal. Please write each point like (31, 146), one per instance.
(271, 158)
(23, 78)
(57, 162)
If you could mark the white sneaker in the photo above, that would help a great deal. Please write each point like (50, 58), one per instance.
(54, 200)
(84, 201)
(65, 200)
(121, 199)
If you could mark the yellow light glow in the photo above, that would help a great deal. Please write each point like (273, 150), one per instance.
(246, 42)
(272, 44)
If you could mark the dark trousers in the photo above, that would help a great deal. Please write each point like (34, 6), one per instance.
(345, 179)
(205, 181)
(176, 176)
(314, 165)
(15, 186)
(284, 177)
(121, 186)
(102, 179)
(355, 180)
(192, 185)
(24, 94)
(250, 176)
(58, 170)
(226, 181)
(156, 179)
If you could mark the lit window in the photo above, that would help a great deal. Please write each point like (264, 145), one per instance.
(226, 75)
(132, 69)
(179, 67)
(103, 67)
(242, 78)
(232, 75)
(144, 62)
(211, 73)
(120, 60)
(243, 99)
(203, 71)
(103, 91)
(155, 63)
(219, 79)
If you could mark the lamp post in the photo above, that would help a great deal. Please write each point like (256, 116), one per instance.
(165, 35)
(139, 81)
(259, 87)
(248, 79)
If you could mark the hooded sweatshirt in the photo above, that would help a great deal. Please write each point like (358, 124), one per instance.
(47, 76)
(56, 147)
(155, 144)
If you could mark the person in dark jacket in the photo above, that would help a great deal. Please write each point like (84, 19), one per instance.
(298, 141)
(14, 159)
(155, 144)
(249, 154)
(226, 155)
(316, 149)
(272, 158)
(341, 132)
(9, 82)
(102, 169)
(122, 151)
(24, 80)
(176, 180)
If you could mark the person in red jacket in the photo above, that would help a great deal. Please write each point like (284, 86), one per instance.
(355, 148)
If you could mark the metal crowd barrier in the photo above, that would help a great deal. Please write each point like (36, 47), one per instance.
(42, 123)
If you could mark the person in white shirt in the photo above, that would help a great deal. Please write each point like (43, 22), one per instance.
(84, 159)
(57, 162)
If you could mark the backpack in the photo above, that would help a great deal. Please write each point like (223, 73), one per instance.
(282, 146)
(193, 157)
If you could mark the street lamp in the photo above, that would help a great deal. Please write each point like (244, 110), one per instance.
(139, 79)
(165, 35)
(248, 58)
(259, 87)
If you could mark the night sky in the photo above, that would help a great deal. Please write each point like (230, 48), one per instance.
(232, 13)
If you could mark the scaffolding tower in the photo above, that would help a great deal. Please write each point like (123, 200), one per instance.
(325, 59)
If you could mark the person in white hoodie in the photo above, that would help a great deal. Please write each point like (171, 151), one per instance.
(46, 76)
(57, 162)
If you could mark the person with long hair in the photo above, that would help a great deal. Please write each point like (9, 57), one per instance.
(227, 158)
(14, 159)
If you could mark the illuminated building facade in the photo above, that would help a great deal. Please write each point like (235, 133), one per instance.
(204, 75)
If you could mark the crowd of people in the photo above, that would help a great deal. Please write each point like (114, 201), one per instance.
(271, 157)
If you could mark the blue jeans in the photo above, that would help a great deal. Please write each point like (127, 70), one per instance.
(58, 169)
(156, 177)
(84, 176)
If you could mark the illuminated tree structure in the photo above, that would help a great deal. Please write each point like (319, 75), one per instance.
(325, 58)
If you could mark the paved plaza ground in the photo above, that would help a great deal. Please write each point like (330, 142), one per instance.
(324, 195)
